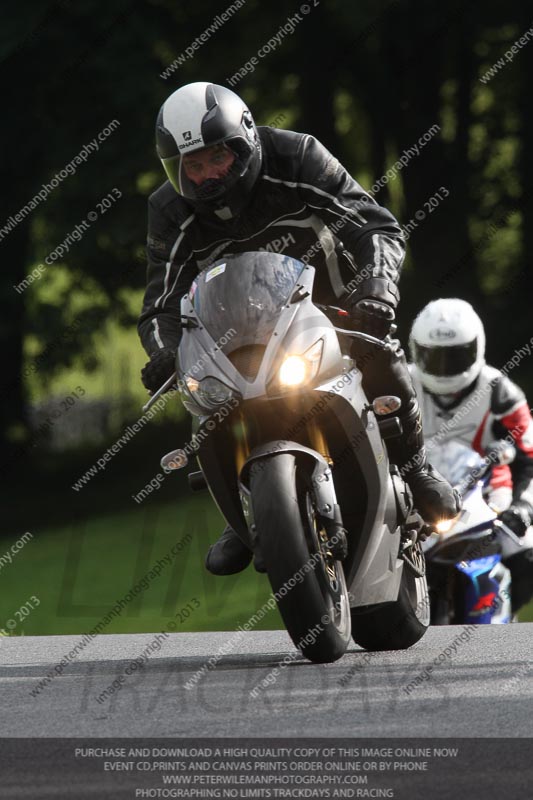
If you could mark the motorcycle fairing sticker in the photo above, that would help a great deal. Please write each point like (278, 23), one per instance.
(218, 270)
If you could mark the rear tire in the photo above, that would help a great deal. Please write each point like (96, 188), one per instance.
(308, 583)
(397, 625)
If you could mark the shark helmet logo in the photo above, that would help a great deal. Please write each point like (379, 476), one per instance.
(442, 334)
(188, 141)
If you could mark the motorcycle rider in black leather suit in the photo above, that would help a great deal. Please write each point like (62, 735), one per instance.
(233, 187)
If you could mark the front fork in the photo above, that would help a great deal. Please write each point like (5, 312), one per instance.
(328, 510)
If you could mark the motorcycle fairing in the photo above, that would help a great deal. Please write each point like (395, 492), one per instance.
(373, 569)
(486, 597)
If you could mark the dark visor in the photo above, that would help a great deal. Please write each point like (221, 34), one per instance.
(445, 361)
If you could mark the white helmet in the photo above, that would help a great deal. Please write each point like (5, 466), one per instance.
(447, 344)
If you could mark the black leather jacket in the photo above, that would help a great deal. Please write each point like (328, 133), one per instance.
(304, 204)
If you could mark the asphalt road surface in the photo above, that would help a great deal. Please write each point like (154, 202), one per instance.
(456, 681)
(474, 682)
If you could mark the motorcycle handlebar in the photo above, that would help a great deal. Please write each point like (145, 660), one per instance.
(330, 311)
(167, 384)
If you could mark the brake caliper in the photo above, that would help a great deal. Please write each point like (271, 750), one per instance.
(337, 541)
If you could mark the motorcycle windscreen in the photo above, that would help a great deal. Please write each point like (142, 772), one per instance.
(240, 298)
(453, 459)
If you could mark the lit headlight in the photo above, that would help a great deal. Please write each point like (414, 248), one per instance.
(293, 371)
(445, 525)
(209, 391)
(296, 370)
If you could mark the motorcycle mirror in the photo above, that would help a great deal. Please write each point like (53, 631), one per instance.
(386, 404)
(501, 452)
(176, 459)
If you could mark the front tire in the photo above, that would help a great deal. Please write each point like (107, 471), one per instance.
(308, 583)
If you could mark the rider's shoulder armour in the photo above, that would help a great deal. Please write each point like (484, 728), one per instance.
(505, 397)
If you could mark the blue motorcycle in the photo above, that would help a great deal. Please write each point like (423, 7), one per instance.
(467, 577)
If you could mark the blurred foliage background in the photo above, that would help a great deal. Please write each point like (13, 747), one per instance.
(369, 80)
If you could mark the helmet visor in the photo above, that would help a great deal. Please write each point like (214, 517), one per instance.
(210, 189)
(444, 362)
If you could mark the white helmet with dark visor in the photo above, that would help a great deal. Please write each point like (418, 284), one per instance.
(447, 344)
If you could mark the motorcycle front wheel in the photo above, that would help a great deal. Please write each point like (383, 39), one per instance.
(307, 582)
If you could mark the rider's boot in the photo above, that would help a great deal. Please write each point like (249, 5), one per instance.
(433, 497)
(229, 555)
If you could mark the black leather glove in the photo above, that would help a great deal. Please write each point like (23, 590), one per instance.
(372, 306)
(372, 317)
(518, 517)
(160, 367)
